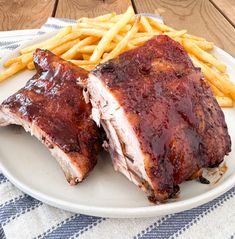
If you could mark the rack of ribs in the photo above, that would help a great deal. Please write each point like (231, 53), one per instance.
(52, 108)
(161, 119)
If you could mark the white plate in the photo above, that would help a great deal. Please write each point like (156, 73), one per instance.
(28, 165)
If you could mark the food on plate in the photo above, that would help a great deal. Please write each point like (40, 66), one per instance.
(96, 40)
(160, 116)
(52, 108)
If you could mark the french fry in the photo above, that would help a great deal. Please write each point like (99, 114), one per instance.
(11, 61)
(145, 24)
(203, 55)
(13, 69)
(31, 65)
(26, 58)
(204, 45)
(63, 32)
(211, 76)
(123, 43)
(159, 26)
(71, 53)
(108, 37)
(88, 67)
(65, 47)
(83, 62)
(192, 37)
(224, 101)
(86, 56)
(140, 40)
(100, 25)
(91, 48)
(215, 90)
(175, 33)
(103, 18)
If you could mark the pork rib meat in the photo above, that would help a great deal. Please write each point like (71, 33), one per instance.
(52, 108)
(162, 121)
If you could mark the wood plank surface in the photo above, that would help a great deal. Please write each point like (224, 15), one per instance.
(199, 17)
(21, 14)
(89, 8)
(227, 8)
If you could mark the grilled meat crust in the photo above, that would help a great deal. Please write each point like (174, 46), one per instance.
(169, 105)
(52, 101)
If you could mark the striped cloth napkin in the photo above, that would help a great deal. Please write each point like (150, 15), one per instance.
(23, 217)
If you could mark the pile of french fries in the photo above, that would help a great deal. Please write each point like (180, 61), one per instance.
(96, 40)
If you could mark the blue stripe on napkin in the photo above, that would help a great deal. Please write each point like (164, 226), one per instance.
(17, 207)
(74, 225)
(3, 179)
(184, 219)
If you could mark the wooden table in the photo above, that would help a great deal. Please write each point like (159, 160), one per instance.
(212, 19)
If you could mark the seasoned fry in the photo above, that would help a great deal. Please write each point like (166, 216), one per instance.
(203, 55)
(224, 101)
(108, 37)
(123, 43)
(13, 69)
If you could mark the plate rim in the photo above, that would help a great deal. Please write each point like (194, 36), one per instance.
(118, 212)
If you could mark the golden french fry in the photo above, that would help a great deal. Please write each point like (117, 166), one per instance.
(215, 90)
(31, 65)
(13, 69)
(91, 48)
(159, 26)
(123, 43)
(87, 49)
(211, 76)
(12, 61)
(26, 58)
(224, 101)
(140, 40)
(145, 24)
(192, 37)
(102, 18)
(88, 67)
(203, 55)
(65, 47)
(175, 33)
(100, 25)
(108, 37)
(63, 32)
(93, 32)
(86, 56)
(204, 45)
(71, 53)
(82, 62)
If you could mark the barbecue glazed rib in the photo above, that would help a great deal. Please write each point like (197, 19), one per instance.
(52, 108)
(161, 119)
